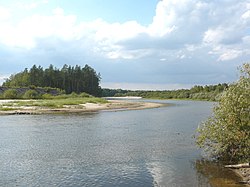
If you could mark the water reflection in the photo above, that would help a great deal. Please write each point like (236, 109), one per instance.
(161, 174)
(216, 175)
(152, 147)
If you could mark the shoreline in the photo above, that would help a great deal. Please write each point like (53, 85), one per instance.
(243, 171)
(112, 105)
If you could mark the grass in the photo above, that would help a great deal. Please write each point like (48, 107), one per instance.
(57, 102)
(7, 109)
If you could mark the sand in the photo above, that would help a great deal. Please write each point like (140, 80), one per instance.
(113, 105)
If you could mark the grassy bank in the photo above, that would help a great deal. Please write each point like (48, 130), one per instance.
(69, 105)
(49, 101)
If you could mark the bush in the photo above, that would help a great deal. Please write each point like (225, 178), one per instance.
(84, 95)
(226, 135)
(73, 94)
(31, 94)
(10, 94)
(47, 89)
(32, 87)
(47, 96)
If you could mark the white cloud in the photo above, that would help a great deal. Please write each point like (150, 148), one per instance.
(176, 24)
(184, 36)
(170, 16)
(3, 78)
(25, 33)
(213, 36)
(58, 11)
(118, 31)
(32, 5)
(230, 54)
(4, 14)
(246, 15)
(195, 23)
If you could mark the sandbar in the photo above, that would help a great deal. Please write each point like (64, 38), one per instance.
(112, 105)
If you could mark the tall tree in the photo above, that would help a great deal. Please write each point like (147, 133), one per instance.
(69, 78)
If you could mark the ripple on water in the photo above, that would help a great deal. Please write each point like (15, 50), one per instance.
(151, 147)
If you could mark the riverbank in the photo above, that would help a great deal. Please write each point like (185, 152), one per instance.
(242, 170)
(11, 107)
(244, 173)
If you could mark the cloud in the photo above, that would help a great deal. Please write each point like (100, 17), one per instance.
(230, 54)
(176, 24)
(32, 5)
(29, 29)
(224, 36)
(4, 14)
(172, 16)
(187, 38)
(220, 26)
(246, 15)
(3, 78)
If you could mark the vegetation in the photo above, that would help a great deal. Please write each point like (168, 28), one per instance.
(28, 93)
(31, 94)
(50, 101)
(7, 109)
(226, 135)
(77, 79)
(211, 93)
(10, 94)
(59, 103)
(69, 78)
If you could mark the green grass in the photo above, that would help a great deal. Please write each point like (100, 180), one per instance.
(7, 109)
(57, 102)
(8, 104)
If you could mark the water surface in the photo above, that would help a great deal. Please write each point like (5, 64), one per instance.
(152, 147)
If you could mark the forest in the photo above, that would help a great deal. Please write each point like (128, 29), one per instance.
(79, 79)
(208, 92)
(68, 78)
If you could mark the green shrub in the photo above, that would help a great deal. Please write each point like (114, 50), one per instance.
(32, 87)
(31, 94)
(84, 95)
(10, 94)
(61, 91)
(47, 96)
(226, 135)
(47, 89)
(63, 96)
(73, 94)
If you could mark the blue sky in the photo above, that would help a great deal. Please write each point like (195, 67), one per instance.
(134, 44)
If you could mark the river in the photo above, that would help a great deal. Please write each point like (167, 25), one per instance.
(151, 147)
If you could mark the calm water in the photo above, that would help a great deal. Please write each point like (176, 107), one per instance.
(152, 147)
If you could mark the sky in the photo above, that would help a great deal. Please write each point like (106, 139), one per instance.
(134, 44)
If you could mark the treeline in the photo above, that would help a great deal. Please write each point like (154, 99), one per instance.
(68, 78)
(209, 92)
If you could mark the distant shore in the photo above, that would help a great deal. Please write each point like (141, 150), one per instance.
(123, 98)
(113, 105)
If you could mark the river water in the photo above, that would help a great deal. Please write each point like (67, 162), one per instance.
(151, 147)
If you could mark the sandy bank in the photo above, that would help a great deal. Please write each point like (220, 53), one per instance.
(114, 105)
